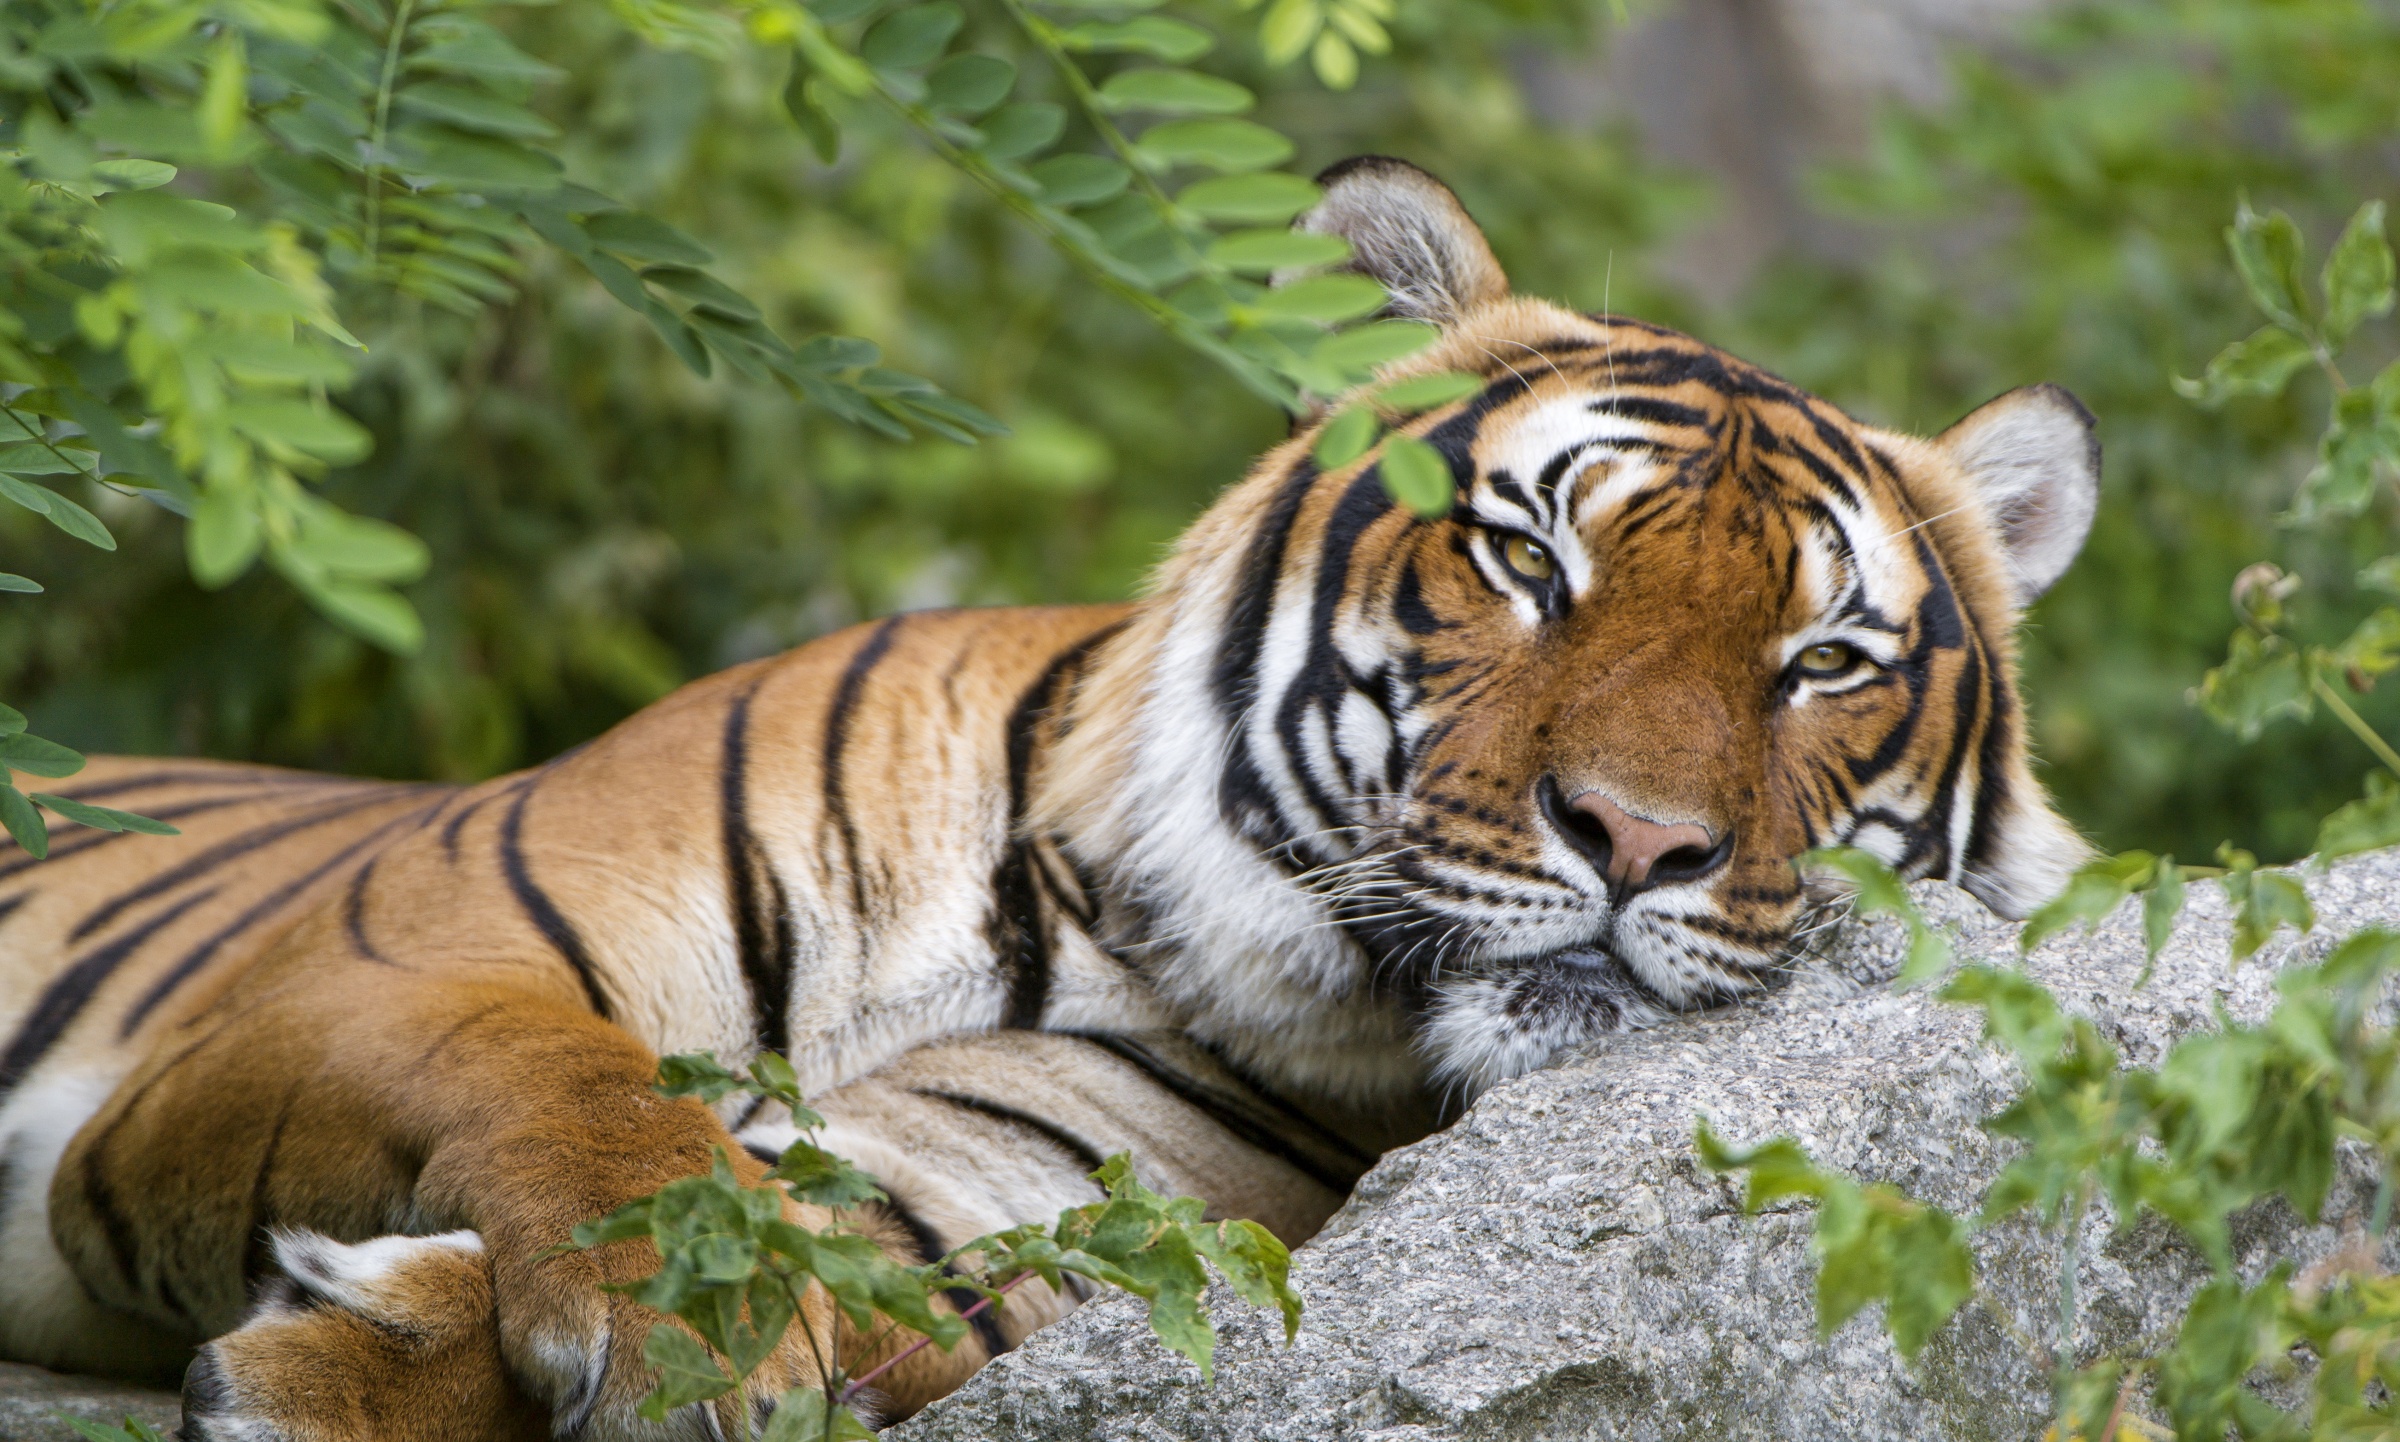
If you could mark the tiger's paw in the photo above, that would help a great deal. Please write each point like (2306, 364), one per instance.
(389, 1340)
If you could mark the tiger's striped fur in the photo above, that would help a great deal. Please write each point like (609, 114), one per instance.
(1352, 809)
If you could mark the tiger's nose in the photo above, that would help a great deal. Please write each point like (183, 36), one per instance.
(1635, 853)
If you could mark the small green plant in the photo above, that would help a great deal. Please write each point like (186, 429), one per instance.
(132, 1430)
(734, 1271)
(2224, 1121)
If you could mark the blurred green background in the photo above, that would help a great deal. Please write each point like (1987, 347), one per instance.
(605, 525)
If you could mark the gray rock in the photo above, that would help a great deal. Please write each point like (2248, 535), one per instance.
(1555, 1266)
(32, 1399)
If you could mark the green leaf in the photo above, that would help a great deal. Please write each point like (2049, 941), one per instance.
(2260, 681)
(1289, 27)
(132, 174)
(908, 39)
(2017, 1010)
(1415, 475)
(1374, 344)
(29, 459)
(359, 547)
(809, 112)
(2159, 911)
(2263, 901)
(645, 238)
(2259, 365)
(1267, 198)
(1215, 144)
(296, 426)
(23, 822)
(704, 291)
(223, 538)
(2267, 252)
(1423, 393)
(1260, 251)
(473, 109)
(1779, 1167)
(2360, 436)
(1173, 92)
(1173, 41)
(34, 756)
(686, 1372)
(2358, 274)
(969, 84)
(817, 1176)
(697, 1074)
(470, 47)
(803, 1415)
(105, 818)
(63, 513)
(1077, 179)
(437, 154)
(2368, 824)
(1256, 1265)
(1328, 298)
(2090, 895)
(1346, 437)
(1027, 128)
(12, 721)
(375, 612)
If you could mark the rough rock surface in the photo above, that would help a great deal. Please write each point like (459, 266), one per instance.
(1556, 1267)
(32, 1399)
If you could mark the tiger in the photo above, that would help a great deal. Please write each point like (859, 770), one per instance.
(1352, 814)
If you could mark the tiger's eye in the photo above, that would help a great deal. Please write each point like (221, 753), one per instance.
(1528, 559)
(1828, 658)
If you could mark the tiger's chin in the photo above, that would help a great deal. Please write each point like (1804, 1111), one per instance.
(1484, 1028)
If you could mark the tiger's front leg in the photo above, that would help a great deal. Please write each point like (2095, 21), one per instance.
(398, 1107)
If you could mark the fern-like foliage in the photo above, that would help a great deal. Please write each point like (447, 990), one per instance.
(204, 202)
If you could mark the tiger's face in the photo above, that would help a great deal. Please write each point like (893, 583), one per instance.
(1550, 760)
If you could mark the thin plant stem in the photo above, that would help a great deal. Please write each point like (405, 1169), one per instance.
(2116, 1414)
(381, 128)
(2357, 724)
(2069, 1258)
(923, 1342)
(1087, 100)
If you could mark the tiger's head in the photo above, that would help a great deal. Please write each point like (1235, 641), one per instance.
(1542, 767)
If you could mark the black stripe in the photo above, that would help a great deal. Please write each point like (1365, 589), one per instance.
(90, 839)
(254, 1251)
(99, 1197)
(1020, 932)
(354, 914)
(1235, 676)
(1654, 409)
(231, 849)
(1229, 1113)
(929, 1249)
(763, 937)
(9, 905)
(65, 998)
(1074, 1146)
(540, 910)
(1324, 677)
(260, 910)
(837, 740)
(265, 778)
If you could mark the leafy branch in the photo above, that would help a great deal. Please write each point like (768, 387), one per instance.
(737, 1271)
(2224, 1121)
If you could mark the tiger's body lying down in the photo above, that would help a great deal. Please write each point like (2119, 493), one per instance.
(1352, 809)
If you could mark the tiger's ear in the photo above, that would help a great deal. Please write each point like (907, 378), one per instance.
(1408, 231)
(2033, 459)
